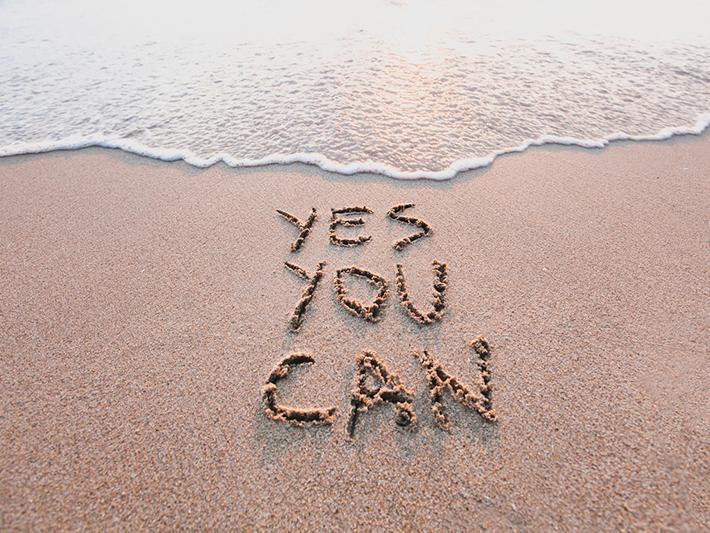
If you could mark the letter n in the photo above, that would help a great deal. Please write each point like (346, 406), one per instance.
(440, 381)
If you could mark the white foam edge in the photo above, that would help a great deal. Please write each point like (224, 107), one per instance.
(319, 160)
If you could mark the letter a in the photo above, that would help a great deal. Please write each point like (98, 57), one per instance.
(387, 388)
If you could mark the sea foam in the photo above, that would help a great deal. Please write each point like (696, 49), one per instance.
(319, 160)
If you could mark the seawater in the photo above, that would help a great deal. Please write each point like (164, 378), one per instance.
(409, 89)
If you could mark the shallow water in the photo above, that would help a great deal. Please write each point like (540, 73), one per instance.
(404, 88)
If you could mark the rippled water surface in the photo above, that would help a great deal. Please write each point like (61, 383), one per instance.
(402, 87)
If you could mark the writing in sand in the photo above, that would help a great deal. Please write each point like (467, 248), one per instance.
(374, 383)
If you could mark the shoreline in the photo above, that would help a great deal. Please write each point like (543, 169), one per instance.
(146, 304)
(457, 167)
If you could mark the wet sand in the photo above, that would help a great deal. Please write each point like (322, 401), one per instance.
(145, 304)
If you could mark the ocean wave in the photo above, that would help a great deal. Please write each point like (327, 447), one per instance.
(358, 167)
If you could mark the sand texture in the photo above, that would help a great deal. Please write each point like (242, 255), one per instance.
(161, 367)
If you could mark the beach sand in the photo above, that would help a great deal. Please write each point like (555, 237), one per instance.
(144, 305)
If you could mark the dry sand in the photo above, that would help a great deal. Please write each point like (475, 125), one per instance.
(144, 305)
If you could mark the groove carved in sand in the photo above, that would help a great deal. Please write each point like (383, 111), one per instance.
(336, 220)
(386, 388)
(439, 301)
(425, 227)
(439, 381)
(292, 415)
(303, 227)
(371, 312)
(483, 350)
(299, 313)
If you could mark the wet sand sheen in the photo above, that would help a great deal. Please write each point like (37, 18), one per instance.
(146, 304)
